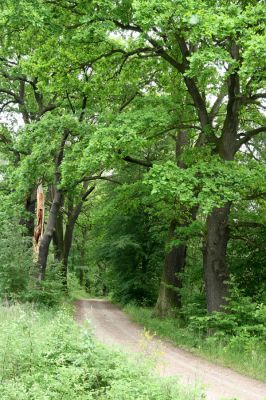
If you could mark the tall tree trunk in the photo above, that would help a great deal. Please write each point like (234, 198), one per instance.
(214, 252)
(214, 257)
(68, 238)
(58, 236)
(175, 260)
(57, 248)
(48, 234)
(54, 210)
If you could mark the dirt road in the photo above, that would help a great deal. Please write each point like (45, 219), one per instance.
(112, 327)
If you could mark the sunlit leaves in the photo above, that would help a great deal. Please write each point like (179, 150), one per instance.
(205, 185)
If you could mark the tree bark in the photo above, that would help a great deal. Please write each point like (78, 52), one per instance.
(58, 236)
(54, 210)
(169, 296)
(39, 228)
(214, 252)
(214, 258)
(57, 248)
(215, 245)
(68, 238)
(48, 234)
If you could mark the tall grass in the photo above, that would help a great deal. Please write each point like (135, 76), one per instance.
(44, 355)
(242, 352)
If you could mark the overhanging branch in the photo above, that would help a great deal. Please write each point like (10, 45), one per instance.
(245, 137)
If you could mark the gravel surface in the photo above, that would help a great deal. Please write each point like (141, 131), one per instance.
(111, 326)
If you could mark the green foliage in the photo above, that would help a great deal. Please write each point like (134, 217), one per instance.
(208, 182)
(243, 350)
(74, 287)
(156, 96)
(18, 270)
(15, 261)
(131, 257)
(45, 355)
(241, 317)
(246, 256)
(49, 292)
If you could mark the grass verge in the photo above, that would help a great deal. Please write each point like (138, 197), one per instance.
(239, 352)
(45, 355)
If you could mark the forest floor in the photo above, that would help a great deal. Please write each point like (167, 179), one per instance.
(112, 327)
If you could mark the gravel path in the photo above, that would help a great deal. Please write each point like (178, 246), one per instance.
(112, 327)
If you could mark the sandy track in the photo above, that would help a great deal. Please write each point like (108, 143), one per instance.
(112, 327)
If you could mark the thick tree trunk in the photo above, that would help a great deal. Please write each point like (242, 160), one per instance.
(48, 234)
(54, 210)
(214, 257)
(217, 237)
(169, 296)
(57, 248)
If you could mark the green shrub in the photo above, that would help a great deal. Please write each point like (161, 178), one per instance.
(75, 290)
(18, 272)
(126, 260)
(220, 337)
(241, 317)
(44, 355)
(15, 261)
(49, 292)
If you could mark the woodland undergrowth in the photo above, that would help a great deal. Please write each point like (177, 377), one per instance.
(234, 338)
(45, 355)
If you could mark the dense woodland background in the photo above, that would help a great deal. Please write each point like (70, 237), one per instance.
(144, 122)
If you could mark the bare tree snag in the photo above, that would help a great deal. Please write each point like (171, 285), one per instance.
(39, 228)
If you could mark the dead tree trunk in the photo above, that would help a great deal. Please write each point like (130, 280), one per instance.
(39, 228)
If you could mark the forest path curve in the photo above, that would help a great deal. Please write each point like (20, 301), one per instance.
(112, 327)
